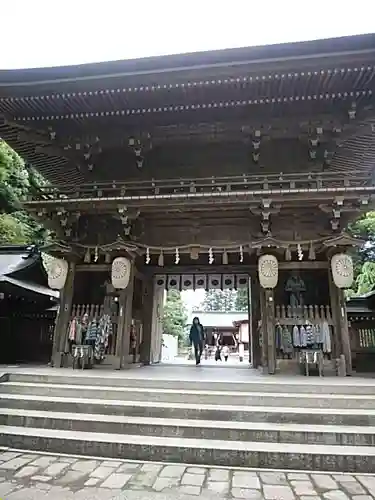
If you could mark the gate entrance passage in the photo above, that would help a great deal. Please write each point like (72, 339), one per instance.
(220, 301)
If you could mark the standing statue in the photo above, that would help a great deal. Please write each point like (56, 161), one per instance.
(295, 286)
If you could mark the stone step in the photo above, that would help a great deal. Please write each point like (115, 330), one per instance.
(312, 416)
(256, 383)
(195, 451)
(196, 429)
(291, 400)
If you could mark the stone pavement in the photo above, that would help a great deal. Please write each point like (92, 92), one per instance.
(28, 476)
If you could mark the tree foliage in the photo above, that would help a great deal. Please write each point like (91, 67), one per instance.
(16, 183)
(175, 316)
(241, 302)
(225, 300)
(364, 258)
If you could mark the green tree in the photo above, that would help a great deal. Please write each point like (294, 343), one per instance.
(175, 316)
(241, 302)
(16, 183)
(365, 281)
(219, 300)
(363, 258)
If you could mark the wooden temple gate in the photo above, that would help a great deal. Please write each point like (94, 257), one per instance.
(199, 164)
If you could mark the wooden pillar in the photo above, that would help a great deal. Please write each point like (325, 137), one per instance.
(341, 328)
(262, 329)
(63, 317)
(270, 331)
(344, 329)
(148, 299)
(157, 326)
(335, 310)
(255, 316)
(124, 322)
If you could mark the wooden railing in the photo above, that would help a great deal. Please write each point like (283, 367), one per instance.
(95, 311)
(362, 336)
(288, 315)
(154, 187)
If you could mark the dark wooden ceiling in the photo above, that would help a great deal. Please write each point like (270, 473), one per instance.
(310, 107)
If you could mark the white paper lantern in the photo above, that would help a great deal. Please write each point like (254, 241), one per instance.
(57, 271)
(342, 270)
(120, 274)
(268, 270)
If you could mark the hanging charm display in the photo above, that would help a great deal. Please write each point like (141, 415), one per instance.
(268, 270)
(57, 271)
(120, 274)
(342, 270)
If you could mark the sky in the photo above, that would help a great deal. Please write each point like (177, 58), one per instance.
(37, 33)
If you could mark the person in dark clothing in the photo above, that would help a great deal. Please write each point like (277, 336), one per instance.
(197, 339)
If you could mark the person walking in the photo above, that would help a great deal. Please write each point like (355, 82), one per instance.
(197, 338)
(218, 353)
(226, 353)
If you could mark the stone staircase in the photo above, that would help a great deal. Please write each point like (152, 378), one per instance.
(314, 424)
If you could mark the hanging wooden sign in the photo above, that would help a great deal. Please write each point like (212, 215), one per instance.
(174, 282)
(160, 281)
(228, 281)
(342, 270)
(268, 270)
(214, 282)
(242, 281)
(57, 271)
(200, 282)
(187, 282)
(120, 274)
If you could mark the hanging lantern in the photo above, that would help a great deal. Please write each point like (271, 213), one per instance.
(161, 259)
(120, 274)
(225, 258)
(268, 270)
(342, 270)
(57, 271)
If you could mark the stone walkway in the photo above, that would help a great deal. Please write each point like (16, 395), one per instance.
(27, 476)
